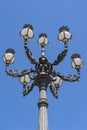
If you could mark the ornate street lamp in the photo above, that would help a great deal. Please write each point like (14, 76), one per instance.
(43, 74)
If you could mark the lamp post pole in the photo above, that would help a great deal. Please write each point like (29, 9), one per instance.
(43, 74)
(42, 107)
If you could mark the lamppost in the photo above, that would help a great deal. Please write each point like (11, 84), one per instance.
(43, 74)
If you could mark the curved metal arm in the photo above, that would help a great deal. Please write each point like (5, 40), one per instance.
(13, 73)
(29, 54)
(61, 56)
(28, 89)
(68, 77)
(17, 73)
(72, 78)
(54, 90)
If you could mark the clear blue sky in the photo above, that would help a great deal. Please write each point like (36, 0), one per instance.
(69, 112)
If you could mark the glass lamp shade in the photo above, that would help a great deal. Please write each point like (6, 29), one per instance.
(8, 57)
(64, 34)
(57, 81)
(25, 79)
(27, 32)
(43, 39)
(77, 62)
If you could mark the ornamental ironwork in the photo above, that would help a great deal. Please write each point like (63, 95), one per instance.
(43, 73)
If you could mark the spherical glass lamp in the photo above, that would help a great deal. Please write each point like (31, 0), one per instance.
(43, 41)
(57, 81)
(8, 57)
(25, 79)
(64, 34)
(27, 32)
(77, 62)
